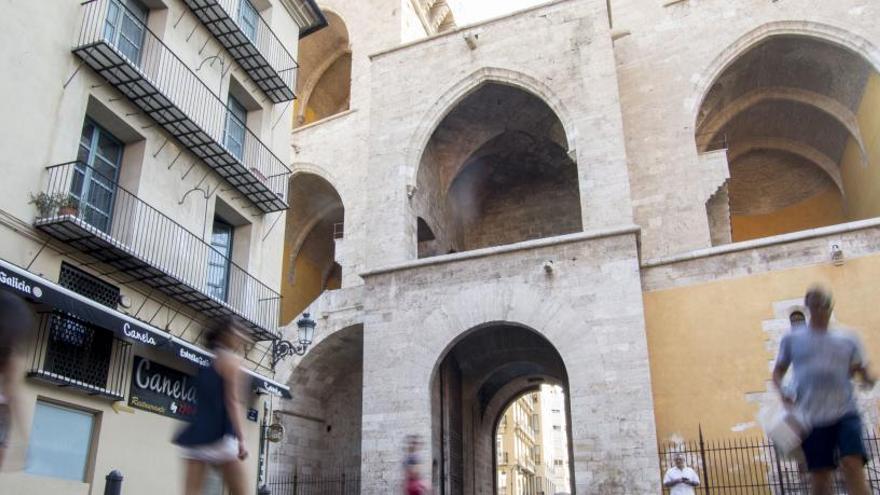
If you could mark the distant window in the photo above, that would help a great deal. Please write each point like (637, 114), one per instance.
(218, 259)
(247, 19)
(236, 117)
(60, 442)
(125, 27)
(557, 427)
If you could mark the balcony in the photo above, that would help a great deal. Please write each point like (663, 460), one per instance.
(250, 41)
(150, 75)
(114, 226)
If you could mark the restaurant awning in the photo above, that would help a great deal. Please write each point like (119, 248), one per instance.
(51, 296)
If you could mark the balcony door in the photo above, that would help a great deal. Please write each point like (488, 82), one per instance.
(126, 26)
(94, 177)
(218, 259)
(236, 116)
(247, 19)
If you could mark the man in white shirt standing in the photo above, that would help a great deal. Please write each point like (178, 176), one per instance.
(681, 479)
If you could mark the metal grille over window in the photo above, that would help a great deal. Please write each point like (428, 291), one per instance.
(86, 285)
(71, 353)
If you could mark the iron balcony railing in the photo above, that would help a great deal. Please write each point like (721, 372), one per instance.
(72, 353)
(149, 74)
(116, 227)
(240, 28)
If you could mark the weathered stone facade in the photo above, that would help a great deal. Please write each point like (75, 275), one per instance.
(625, 98)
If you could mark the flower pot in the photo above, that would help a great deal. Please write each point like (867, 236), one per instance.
(68, 210)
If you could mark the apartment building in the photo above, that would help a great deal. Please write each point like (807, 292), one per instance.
(145, 180)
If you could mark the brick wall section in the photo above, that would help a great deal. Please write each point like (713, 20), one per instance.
(524, 212)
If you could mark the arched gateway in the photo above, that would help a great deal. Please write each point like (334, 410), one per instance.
(485, 370)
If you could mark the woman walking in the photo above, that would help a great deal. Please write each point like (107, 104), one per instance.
(215, 437)
(15, 320)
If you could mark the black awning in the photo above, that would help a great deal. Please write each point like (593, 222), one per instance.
(51, 296)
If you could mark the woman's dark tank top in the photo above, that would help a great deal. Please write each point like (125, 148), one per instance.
(211, 421)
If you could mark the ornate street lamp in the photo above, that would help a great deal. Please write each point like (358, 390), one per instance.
(305, 333)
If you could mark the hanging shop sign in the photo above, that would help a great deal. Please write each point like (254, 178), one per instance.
(162, 390)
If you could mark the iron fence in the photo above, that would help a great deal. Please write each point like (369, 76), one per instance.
(344, 483)
(155, 79)
(115, 226)
(752, 466)
(227, 20)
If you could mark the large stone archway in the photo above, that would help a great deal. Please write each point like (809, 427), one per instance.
(786, 106)
(497, 170)
(323, 422)
(484, 372)
(588, 307)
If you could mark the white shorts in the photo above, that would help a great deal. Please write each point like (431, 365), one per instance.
(219, 452)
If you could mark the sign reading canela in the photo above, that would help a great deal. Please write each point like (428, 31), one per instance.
(162, 390)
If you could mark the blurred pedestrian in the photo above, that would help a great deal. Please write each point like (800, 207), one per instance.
(680, 479)
(16, 319)
(797, 319)
(413, 484)
(215, 437)
(824, 360)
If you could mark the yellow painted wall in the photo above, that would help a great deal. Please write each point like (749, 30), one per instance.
(862, 184)
(819, 211)
(707, 346)
(306, 282)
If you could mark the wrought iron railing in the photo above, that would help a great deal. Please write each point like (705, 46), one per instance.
(752, 466)
(345, 483)
(72, 353)
(164, 86)
(226, 25)
(136, 229)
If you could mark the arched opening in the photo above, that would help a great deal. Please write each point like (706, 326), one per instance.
(473, 385)
(497, 170)
(324, 78)
(314, 227)
(794, 115)
(323, 423)
(531, 453)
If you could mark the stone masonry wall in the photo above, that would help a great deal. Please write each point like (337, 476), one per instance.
(589, 309)
(524, 212)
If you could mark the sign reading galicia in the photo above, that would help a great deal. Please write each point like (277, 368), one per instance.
(162, 390)
(19, 284)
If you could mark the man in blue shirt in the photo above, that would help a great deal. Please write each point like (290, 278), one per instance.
(824, 361)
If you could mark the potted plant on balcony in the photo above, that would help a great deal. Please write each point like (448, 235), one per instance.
(68, 205)
(45, 203)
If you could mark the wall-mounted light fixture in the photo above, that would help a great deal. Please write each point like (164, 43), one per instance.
(305, 334)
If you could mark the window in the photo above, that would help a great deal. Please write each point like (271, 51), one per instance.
(60, 442)
(557, 427)
(94, 177)
(247, 19)
(125, 27)
(75, 350)
(218, 259)
(236, 116)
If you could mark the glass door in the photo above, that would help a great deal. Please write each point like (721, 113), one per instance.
(236, 116)
(125, 27)
(95, 174)
(218, 259)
